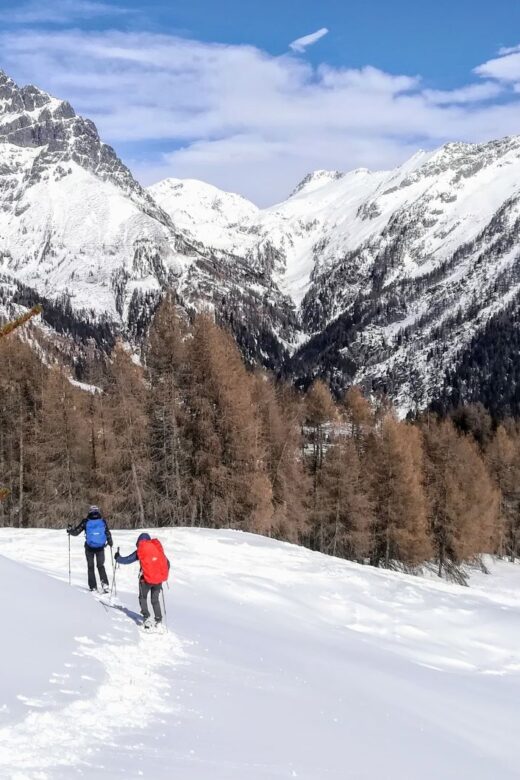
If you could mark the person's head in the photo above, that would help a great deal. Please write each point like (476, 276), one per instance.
(143, 538)
(93, 511)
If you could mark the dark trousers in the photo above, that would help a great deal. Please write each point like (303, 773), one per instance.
(99, 554)
(155, 590)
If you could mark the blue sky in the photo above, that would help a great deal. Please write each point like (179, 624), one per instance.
(214, 90)
(441, 40)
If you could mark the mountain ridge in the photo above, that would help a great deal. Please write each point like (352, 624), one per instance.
(380, 278)
(76, 226)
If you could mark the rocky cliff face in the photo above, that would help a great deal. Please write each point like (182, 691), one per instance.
(383, 278)
(33, 120)
(77, 229)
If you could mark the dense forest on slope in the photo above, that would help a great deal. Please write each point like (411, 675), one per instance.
(488, 370)
(191, 436)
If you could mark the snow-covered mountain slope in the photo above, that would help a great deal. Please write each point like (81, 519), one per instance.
(210, 215)
(73, 221)
(430, 256)
(76, 226)
(381, 278)
(393, 271)
(279, 663)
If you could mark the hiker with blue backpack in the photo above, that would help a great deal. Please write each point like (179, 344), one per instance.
(97, 536)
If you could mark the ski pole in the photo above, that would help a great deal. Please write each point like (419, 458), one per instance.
(113, 589)
(164, 607)
(112, 558)
(70, 583)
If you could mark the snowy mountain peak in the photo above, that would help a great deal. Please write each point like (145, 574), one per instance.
(229, 204)
(33, 119)
(383, 266)
(73, 220)
(21, 107)
(315, 180)
(465, 159)
(202, 210)
(78, 229)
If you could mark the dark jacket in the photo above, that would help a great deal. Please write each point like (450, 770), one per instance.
(82, 527)
(132, 558)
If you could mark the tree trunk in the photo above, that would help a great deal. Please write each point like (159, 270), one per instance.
(21, 474)
(336, 530)
(441, 560)
(138, 495)
(93, 454)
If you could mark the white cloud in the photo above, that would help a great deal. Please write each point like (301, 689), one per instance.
(243, 119)
(59, 11)
(473, 93)
(503, 68)
(300, 44)
(508, 49)
(367, 78)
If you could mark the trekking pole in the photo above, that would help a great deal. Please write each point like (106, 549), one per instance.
(164, 607)
(113, 589)
(70, 583)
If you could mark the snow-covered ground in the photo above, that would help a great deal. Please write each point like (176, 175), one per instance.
(279, 663)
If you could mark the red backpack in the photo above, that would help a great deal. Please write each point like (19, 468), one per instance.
(154, 564)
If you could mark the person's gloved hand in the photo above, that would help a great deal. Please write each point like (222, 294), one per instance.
(117, 555)
(69, 529)
(111, 543)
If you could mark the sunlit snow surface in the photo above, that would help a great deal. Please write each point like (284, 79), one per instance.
(279, 663)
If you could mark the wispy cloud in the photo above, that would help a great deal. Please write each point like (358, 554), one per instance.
(300, 44)
(59, 12)
(243, 119)
(508, 49)
(505, 67)
(473, 93)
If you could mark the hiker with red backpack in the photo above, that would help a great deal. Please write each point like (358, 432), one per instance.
(155, 568)
(97, 536)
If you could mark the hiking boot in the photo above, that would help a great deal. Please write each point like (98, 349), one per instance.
(148, 624)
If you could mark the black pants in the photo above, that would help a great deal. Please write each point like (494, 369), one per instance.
(99, 554)
(155, 590)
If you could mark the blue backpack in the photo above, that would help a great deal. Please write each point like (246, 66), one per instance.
(95, 531)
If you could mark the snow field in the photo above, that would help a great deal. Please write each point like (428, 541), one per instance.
(279, 663)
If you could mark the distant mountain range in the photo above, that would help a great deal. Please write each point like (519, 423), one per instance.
(392, 279)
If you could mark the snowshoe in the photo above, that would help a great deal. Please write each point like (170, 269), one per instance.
(105, 589)
(148, 624)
